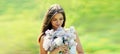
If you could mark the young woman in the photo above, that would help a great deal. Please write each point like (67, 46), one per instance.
(54, 18)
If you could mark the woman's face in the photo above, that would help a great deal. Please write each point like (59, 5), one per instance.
(57, 21)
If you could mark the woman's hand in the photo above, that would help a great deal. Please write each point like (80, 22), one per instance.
(64, 49)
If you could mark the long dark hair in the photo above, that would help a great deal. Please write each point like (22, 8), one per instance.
(55, 8)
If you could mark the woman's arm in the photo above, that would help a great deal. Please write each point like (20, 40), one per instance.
(79, 46)
(42, 50)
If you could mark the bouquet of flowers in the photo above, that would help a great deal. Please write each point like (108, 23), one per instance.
(54, 39)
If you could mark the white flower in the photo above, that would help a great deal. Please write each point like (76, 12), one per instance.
(72, 43)
(58, 41)
(59, 32)
(52, 46)
(72, 29)
(71, 32)
(49, 32)
(53, 39)
(46, 43)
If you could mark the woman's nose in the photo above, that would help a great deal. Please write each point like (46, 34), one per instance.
(58, 22)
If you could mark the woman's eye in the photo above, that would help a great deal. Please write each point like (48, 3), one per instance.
(61, 19)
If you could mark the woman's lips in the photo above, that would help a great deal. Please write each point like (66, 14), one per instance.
(58, 25)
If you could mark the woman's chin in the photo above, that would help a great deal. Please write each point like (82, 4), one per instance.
(56, 27)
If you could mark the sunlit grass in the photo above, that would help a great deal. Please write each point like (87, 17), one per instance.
(20, 36)
(96, 22)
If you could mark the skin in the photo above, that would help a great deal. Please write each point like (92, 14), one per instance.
(56, 22)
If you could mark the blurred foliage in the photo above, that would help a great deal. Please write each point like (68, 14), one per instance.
(97, 23)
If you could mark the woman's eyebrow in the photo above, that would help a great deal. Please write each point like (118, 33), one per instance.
(54, 18)
(61, 17)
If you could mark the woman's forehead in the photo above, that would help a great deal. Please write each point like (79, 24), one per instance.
(58, 15)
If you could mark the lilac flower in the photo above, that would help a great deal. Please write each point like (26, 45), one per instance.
(54, 39)
(58, 41)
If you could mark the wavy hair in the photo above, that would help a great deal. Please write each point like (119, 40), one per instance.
(54, 9)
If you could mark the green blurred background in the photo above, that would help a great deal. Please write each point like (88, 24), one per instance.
(97, 23)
